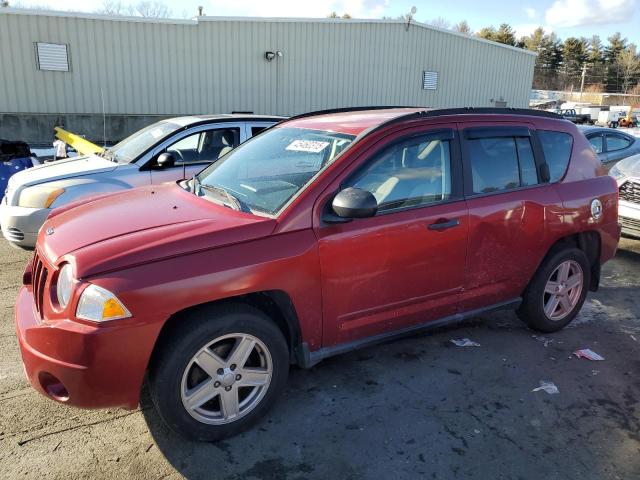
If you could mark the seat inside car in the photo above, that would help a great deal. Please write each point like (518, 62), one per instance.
(420, 174)
(217, 143)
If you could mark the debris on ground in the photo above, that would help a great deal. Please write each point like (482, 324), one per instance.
(548, 387)
(546, 341)
(588, 354)
(464, 342)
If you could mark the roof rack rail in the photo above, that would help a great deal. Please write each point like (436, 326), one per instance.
(350, 109)
(491, 110)
(438, 112)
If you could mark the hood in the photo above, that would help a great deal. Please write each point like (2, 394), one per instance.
(630, 166)
(141, 225)
(62, 169)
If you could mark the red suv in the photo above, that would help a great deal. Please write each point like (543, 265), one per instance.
(325, 233)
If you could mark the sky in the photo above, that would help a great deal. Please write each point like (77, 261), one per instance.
(564, 17)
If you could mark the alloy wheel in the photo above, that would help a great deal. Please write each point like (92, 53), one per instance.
(563, 290)
(226, 379)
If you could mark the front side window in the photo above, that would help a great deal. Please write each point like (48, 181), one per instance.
(557, 148)
(616, 142)
(205, 146)
(596, 143)
(264, 173)
(410, 173)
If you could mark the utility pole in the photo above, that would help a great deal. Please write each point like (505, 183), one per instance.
(584, 74)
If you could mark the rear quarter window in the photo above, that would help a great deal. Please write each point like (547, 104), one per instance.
(557, 148)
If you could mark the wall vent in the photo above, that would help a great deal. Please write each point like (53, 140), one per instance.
(429, 80)
(52, 56)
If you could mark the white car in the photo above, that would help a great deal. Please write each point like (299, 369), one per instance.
(627, 173)
(168, 150)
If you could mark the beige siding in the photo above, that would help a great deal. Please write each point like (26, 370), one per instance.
(217, 65)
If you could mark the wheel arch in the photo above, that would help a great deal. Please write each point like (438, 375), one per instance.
(275, 304)
(590, 243)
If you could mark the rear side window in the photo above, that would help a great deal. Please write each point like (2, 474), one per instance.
(256, 130)
(557, 152)
(501, 163)
(617, 142)
(528, 170)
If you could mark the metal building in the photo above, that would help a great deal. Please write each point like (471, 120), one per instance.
(75, 68)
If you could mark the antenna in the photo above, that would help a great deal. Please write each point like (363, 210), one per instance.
(410, 15)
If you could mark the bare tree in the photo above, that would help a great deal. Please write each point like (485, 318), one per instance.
(19, 4)
(463, 27)
(113, 7)
(628, 64)
(440, 23)
(152, 9)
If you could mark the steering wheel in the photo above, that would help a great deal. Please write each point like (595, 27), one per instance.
(178, 156)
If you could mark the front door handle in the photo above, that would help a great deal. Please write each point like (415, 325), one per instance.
(444, 224)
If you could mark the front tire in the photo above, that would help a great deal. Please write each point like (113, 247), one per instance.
(218, 371)
(557, 291)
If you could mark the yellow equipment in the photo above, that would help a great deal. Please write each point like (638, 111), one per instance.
(629, 120)
(81, 145)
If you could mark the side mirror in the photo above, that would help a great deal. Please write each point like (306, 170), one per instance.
(166, 160)
(354, 203)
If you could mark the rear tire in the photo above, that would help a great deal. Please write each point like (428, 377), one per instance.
(557, 291)
(218, 371)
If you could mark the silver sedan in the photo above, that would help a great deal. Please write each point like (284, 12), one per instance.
(168, 150)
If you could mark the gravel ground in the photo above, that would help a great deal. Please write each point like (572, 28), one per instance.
(414, 408)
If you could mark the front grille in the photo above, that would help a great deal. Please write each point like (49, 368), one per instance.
(630, 226)
(40, 274)
(630, 191)
(15, 234)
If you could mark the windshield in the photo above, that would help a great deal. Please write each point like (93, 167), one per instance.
(129, 149)
(263, 174)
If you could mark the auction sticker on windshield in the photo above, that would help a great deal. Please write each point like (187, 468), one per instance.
(311, 146)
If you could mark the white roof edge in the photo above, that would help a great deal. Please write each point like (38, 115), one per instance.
(196, 20)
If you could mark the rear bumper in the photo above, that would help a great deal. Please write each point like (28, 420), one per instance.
(83, 365)
(20, 225)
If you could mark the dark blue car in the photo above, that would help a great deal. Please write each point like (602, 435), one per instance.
(14, 157)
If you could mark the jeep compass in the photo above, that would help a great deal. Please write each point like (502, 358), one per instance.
(324, 233)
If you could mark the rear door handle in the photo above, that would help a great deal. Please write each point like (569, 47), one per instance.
(444, 224)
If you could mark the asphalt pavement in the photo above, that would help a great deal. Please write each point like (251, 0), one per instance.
(419, 407)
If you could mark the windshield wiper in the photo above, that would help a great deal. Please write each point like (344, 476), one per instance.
(234, 201)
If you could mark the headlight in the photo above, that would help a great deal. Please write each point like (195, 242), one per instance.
(39, 196)
(64, 285)
(616, 173)
(98, 305)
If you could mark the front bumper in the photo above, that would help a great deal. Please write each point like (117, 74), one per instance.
(20, 225)
(88, 366)
(629, 215)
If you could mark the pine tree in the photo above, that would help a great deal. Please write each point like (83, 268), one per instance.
(505, 34)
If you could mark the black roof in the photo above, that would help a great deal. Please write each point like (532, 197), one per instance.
(437, 112)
